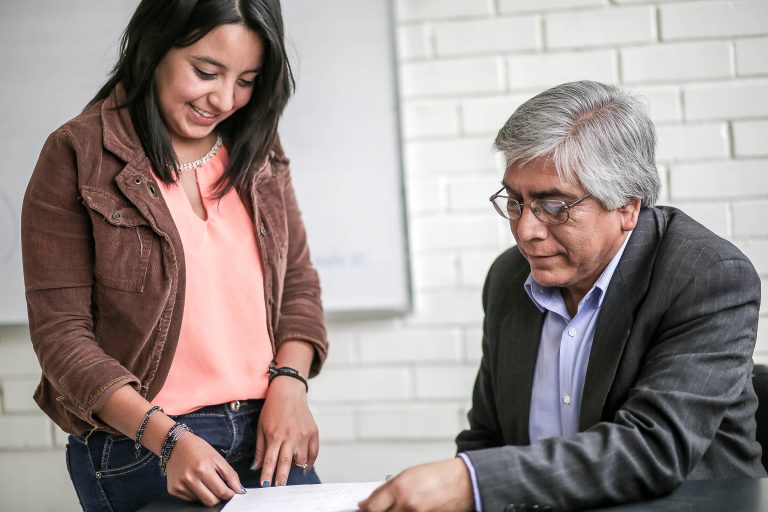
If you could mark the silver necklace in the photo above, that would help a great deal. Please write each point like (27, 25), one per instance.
(191, 166)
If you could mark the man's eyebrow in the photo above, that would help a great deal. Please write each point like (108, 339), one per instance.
(542, 194)
(214, 62)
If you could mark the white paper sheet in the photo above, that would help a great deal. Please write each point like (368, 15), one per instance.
(303, 498)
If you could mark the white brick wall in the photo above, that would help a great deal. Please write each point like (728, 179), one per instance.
(395, 390)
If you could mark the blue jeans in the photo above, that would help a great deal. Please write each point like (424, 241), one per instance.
(108, 477)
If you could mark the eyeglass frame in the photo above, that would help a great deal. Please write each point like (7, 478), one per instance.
(566, 206)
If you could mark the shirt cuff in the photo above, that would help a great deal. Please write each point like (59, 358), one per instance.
(473, 477)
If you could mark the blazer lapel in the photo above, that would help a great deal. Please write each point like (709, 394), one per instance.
(627, 288)
(519, 336)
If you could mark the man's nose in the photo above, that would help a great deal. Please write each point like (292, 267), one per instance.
(528, 226)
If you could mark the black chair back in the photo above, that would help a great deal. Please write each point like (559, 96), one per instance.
(760, 382)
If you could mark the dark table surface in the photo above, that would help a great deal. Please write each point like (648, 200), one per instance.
(693, 496)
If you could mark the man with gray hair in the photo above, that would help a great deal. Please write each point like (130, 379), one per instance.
(618, 335)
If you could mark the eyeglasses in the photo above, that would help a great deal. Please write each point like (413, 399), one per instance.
(549, 211)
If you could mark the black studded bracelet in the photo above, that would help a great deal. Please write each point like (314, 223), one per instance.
(176, 431)
(143, 426)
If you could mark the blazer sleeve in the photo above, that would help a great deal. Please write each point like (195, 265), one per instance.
(695, 369)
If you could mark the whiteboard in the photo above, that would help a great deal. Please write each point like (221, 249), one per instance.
(340, 131)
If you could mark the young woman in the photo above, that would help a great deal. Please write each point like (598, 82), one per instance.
(172, 302)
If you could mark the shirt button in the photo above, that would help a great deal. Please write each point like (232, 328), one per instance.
(116, 215)
(263, 231)
(567, 399)
(571, 332)
(271, 299)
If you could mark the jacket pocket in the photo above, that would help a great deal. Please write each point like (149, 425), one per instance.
(122, 241)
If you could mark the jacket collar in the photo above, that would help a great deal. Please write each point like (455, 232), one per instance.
(119, 135)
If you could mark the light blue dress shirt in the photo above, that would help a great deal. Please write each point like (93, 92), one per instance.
(561, 364)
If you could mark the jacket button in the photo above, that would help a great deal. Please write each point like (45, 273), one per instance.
(137, 181)
(116, 215)
(264, 231)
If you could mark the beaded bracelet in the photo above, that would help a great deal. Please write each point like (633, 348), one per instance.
(288, 372)
(176, 431)
(143, 426)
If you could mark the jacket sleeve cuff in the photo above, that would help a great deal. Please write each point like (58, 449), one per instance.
(473, 477)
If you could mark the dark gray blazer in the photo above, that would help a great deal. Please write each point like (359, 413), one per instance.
(667, 394)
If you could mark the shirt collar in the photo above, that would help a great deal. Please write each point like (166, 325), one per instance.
(548, 298)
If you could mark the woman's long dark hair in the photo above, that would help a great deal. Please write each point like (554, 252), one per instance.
(156, 27)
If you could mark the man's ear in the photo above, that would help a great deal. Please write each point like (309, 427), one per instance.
(629, 213)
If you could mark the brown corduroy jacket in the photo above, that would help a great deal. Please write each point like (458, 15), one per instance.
(104, 266)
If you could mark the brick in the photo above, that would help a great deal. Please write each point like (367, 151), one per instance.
(473, 345)
(757, 252)
(680, 61)
(487, 36)
(29, 431)
(747, 218)
(724, 100)
(751, 56)
(426, 194)
(375, 460)
(602, 27)
(413, 421)
(761, 347)
(409, 10)
(516, 6)
(60, 438)
(471, 194)
(750, 138)
(715, 216)
(445, 382)
(486, 116)
(422, 345)
(695, 141)
(547, 70)
(17, 395)
(713, 19)
(459, 155)
(447, 309)
(36, 480)
(763, 293)
(335, 423)
(362, 385)
(426, 119)
(342, 346)
(434, 271)
(414, 42)
(16, 355)
(474, 267)
(441, 78)
(663, 102)
(453, 232)
(664, 178)
(729, 179)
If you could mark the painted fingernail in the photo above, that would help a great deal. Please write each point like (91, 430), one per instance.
(281, 482)
(242, 489)
(254, 467)
(265, 483)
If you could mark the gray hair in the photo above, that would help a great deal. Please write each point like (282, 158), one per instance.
(595, 134)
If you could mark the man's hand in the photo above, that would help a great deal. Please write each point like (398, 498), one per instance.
(441, 486)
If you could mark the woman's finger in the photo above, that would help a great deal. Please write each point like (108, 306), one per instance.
(269, 462)
(258, 458)
(313, 448)
(284, 462)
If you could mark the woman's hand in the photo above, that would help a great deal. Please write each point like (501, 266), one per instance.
(286, 433)
(197, 472)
